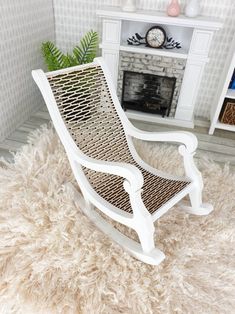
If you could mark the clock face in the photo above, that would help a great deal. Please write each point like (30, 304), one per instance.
(155, 37)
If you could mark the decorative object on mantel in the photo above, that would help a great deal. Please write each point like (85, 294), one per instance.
(155, 38)
(192, 9)
(129, 5)
(136, 40)
(171, 44)
(173, 8)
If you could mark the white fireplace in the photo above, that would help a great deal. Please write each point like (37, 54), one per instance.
(194, 34)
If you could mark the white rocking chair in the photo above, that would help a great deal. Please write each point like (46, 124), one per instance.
(97, 137)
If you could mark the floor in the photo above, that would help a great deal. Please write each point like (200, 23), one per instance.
(220, 147)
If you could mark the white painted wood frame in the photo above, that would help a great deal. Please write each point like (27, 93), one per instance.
(141, 220)
(223, 92)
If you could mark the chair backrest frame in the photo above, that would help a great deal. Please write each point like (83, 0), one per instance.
(40, 78)
(71, 148)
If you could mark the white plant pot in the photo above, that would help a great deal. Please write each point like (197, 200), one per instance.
(129, 5)
(192, 8)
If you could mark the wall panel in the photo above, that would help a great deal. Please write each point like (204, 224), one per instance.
(24, 25)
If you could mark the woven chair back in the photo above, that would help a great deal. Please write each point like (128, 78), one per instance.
(86, 106)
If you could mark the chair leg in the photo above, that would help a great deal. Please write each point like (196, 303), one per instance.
(145, 232)
(197, 206)
(146, 235)
(154, 257)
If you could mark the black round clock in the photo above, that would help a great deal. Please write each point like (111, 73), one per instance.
(155, 37)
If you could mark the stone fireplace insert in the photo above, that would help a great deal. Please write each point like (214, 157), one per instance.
(147, 92)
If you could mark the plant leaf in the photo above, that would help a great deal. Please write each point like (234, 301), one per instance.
(53, 57)
(86, 51)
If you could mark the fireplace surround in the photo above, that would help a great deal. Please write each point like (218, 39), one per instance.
(195, 36)
(165, 67)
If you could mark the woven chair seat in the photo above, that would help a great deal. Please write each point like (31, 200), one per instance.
(156, 190)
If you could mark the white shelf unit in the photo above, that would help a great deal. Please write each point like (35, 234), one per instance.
(230, 93)
(223, 126)
(194, 34)
(223, 92)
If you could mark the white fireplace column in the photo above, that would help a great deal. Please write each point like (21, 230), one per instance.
(196, 61)
(196, 36)
(111, 45)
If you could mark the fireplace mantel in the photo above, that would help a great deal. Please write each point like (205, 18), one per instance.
(159, 17)
(195, 35)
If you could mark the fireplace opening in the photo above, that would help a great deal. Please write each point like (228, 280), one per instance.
(147, 92)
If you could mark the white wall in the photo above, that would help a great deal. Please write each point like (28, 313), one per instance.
(74, 17)
(24, 25)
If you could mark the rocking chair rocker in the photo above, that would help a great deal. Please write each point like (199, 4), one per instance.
(97, 137)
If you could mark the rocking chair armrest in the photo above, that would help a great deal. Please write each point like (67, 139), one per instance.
(187, 138)
(127, 171)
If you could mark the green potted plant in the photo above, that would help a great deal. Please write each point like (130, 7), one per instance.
(85, 52)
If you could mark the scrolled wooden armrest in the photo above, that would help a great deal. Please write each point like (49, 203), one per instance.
(186, 138)
(127, 171)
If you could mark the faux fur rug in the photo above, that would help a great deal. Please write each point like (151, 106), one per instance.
(53, 260)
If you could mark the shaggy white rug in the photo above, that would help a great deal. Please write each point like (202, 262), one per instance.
(53, 260)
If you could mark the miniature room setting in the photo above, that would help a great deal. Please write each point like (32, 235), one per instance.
(117, 156)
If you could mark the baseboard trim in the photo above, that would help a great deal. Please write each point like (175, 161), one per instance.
(148, 117)
(202, 122)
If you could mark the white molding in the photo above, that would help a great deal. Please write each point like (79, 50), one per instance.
(149, 117)
(200, 44)
(181, 54)
(111, 31)
(160, 18)
(111, 57)
(201, 122)
(189, 88)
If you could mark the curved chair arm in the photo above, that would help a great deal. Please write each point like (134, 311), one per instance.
(186, 138)
(187, 150)
(129, 172)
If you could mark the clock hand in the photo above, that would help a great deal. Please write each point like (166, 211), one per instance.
(156, 38)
